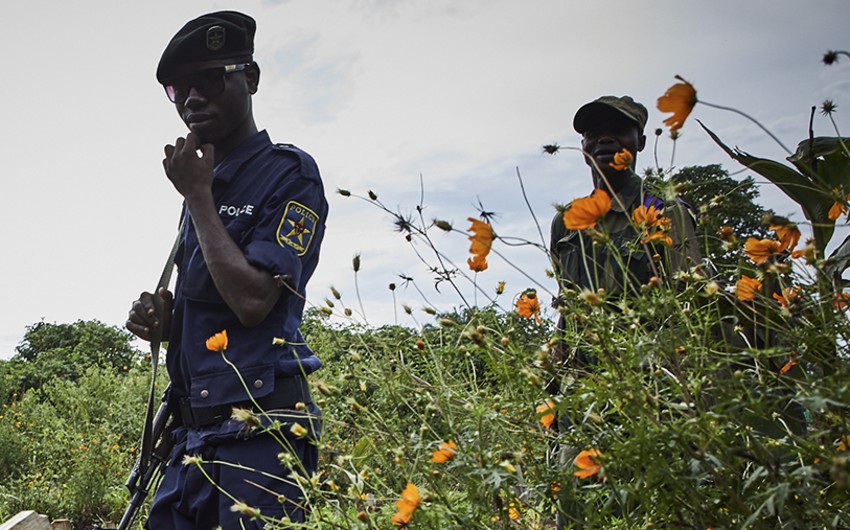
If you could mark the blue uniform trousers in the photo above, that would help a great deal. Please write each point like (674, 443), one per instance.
(188, 500)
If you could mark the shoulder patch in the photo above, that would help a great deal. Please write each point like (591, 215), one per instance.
(297, 227)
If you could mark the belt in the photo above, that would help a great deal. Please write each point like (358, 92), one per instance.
(287, 392)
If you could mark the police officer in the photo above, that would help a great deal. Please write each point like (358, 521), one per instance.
(255, 216)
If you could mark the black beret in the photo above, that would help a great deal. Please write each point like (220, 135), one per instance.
(220, 35)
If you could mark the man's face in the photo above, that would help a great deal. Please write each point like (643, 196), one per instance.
(610, 134)
(214, 113)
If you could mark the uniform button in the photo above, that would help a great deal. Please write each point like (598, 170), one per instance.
(205, 394)
(258, 383)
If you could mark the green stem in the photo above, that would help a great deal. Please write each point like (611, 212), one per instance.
(838, 134)
(744, 114)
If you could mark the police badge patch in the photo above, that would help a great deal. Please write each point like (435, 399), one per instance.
(215, 38)
(297, 227)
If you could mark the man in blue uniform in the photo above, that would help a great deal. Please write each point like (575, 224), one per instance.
(255, 216)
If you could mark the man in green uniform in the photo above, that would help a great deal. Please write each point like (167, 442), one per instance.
(608, 125)
(612, 135)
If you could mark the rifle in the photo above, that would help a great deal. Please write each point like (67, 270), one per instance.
(156, 439)
(148, 470)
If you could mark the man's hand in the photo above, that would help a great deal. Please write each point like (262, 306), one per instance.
(142, 321)
(191, 174)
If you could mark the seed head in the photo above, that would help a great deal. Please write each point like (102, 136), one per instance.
(830, 57)
(828, 107)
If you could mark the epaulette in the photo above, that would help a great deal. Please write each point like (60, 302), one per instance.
(309, 169)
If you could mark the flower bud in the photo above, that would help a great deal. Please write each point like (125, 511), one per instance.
(443, 225)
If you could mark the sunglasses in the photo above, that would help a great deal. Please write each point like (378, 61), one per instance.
(209, 82)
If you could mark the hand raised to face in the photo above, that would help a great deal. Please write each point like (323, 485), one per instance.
(189, 172)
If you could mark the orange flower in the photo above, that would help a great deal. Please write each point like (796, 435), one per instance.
(513, 511)
(648, 217)
(842, 300)
(622, 160)
(792, 362)
(839, 207)
(807, 252)
(446, 452)
(482, 240)
(680, 100)
(787, 297)
(727, 234)
(585, 212)
(658, 235)
(528, 305)
(406, 505)
(546, 411)
(760, 250)
(586, 464)
(477, 263)
(788, 234)
(218, 342)
(747, 288)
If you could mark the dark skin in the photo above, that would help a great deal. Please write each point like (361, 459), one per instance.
(609, 135)
(217, 124)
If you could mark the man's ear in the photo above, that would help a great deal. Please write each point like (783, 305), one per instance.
(252, 77)
(641, 142)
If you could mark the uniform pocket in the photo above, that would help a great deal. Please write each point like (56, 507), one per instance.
(225, 386)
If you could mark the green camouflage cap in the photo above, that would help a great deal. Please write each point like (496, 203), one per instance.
(596, 109)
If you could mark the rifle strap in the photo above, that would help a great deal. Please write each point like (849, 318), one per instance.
(155, 341)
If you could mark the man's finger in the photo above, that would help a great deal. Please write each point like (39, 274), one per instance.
(208, 151)
(192, 142)
(138, 330)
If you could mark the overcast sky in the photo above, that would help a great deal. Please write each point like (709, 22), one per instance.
(381, 93)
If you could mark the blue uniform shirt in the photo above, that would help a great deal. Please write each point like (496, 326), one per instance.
(271, 200)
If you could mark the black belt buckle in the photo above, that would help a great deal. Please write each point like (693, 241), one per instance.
(194, 417)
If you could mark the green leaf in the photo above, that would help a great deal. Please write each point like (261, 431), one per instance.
(825, 160)
(839, 260)
(811, 191)
(362, 450)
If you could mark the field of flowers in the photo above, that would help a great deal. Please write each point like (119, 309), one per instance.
(716, 397)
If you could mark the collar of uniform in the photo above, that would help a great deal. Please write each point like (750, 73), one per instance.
(228, 167)
(628, 194)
